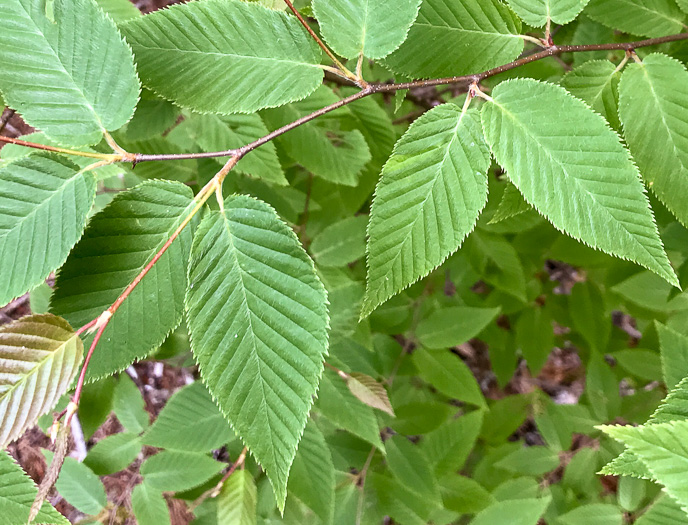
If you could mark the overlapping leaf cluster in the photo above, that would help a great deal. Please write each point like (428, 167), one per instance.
(325, 243)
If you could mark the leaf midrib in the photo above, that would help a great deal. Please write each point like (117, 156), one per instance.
(249, 315)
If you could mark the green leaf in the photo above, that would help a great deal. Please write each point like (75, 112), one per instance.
(339, 405)
(530, 461)
(129, 406)
(190, 54)
(119, 10)
(449, 327)
(448, 446)
(175, 471)
(664, 511)
(258, 322)
(312, 475)
(564, 159)
(497, 262)
(219, 133)
(325, 146)
(340, 243)
(652, 113)
(589, 316)
(190, 421)
(113, 453)
(365, 27)
(661, 447)
(411, 467)
(651, 18)
(486, 32)
(39, 358)
(17, 492)
(44, 201)
(512, 204)
(536, 13)
(236, 503)
(447, 373)
(428, 200)
(46, 69)
(149, 506)
(596, 82)
(80, 486)
(535, 337)
(370, 392)
(674, 348)
(593, 514)
(513, 512)
(118, 243)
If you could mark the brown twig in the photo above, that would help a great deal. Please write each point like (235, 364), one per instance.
(348, 74)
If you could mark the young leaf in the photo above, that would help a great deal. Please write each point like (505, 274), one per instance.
(258, 321)
(486, 32)
(80, 486)
(321, 146)
(574, 170)
(174, 471)
(44, 201)
(190, 421)
(39, 358)
(118, 243)
(119, 10)
(411, 467)
(312, 475)
(428, 200)
(46, 75)
(449, 327)
(113, 453)
(149, 506)
(661, 448)
(340, 243)
(651, 18)
(530, 461)
(448, 446)
(596, 82)
(339, 405)
(218, 133)
(365, 27)
(370, 392)
(190, 54)
(593, 514)
(674, 347)
(512, 204)
(236, 503)
(17, 492)
(652, 111)
(449, 374)
(129, 406)
(513, 512)
(537, 13)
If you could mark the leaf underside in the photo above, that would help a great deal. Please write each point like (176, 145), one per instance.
(258, 321)
(39, 358)
(650, 18)
(536, 12)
